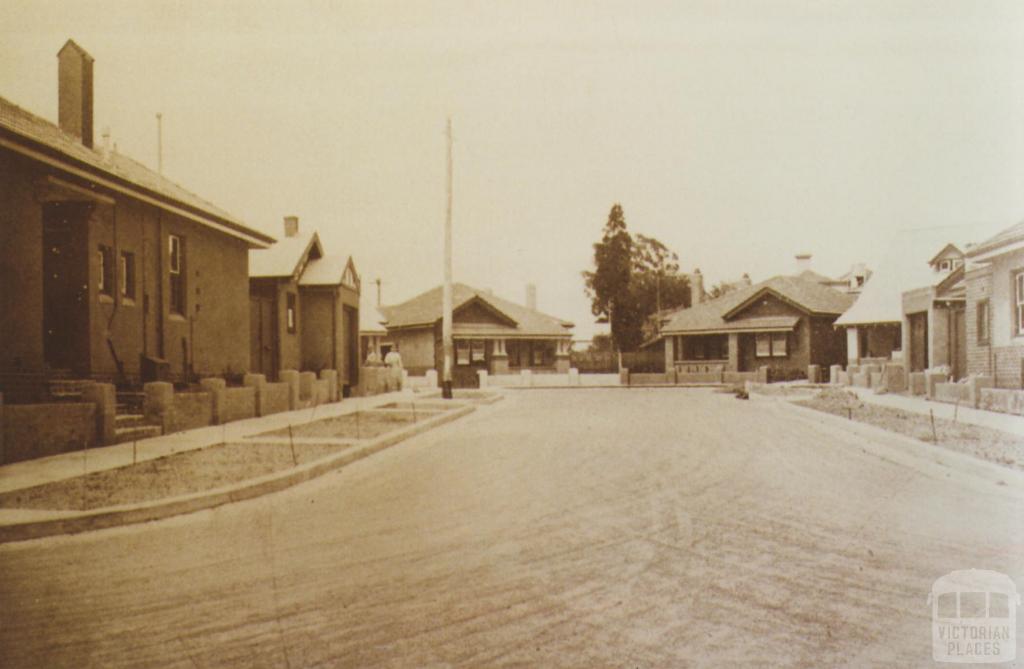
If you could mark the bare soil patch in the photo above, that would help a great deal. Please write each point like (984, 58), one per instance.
(169, 476)
(995, 446)
(357, 425)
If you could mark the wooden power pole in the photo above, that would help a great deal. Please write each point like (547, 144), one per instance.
(446, 303)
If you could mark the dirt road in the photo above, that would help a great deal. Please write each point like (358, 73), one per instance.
(646, 528)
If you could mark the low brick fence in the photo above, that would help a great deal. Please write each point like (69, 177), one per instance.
(376, 380)
(29, 431)
(1002, 401)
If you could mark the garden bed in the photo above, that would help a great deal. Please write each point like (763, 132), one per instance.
(995, 446)
(169, 476)
(357, 425)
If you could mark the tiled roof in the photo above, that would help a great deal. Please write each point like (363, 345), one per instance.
(28, 126)
(425, 309)
(905, 268)
(713, 316)
(1008, 236)
(283, 258)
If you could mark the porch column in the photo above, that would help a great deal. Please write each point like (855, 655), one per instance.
(852, 346)
(734, 352)
(499, 357)
(562, 356)
(670, 357)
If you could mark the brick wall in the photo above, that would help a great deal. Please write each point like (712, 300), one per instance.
(37, 430)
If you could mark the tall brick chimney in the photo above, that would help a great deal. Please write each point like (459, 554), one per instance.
(696, 288)
(291, 226)
(74, 92)
(531, 296)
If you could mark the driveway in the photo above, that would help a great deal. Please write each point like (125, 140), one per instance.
(586, 528)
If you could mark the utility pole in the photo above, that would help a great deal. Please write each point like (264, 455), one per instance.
(446, 303)
(159, 143)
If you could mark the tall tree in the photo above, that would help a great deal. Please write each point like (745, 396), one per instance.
(608, 285)
(632, 280)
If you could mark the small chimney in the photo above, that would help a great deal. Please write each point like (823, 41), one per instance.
(291, 226)
(74, 92)
(531, 296)
(696, 288)
(803, 262)
(746, 279)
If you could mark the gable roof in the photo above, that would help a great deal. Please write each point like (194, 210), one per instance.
(330, 270)
(425, 309)
(723, 314)
(43, 141)
(906, 267)
(1012, 235)
(945, 249)
(284, 258)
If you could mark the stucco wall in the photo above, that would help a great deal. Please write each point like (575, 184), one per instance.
(317, 329)
(416, 347)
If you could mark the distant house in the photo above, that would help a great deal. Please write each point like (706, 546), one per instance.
(784, 323)
(874, 325)
(304, 307)
(994, 313)
(373, 336)
(109, 270)
(490, 333)
(934, 332)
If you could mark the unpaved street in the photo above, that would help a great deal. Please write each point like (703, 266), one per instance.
(647, 528)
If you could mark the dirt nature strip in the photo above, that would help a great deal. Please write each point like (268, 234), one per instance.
(177, 474)
(358, 425)
(995, 446)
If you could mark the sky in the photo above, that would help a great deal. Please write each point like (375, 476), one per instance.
(737, 133)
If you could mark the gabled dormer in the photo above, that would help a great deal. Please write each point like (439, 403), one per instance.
(948, 259)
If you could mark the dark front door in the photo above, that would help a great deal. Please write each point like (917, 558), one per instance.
(351, 317)
(918, 341)
(66, 285)
(958, 344)
(263, 336)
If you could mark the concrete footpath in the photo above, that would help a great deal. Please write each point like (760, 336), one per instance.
(69, 465)
(920, 405)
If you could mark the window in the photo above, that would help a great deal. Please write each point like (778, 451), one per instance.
(945, 265)
(982, 315)
(764, 345)
(779, 345)
(538, 353)
(461, 352)
(1018, 281)
(105, 260)
(128, 275)
(478, 351)
(771, 345)
(290, 317)
(176, 272)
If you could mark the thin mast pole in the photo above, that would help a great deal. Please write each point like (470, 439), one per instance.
(446, 306)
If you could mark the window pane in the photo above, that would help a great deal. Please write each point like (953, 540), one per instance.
(462, 352)
(947, 605)
(779, 345)
(998, 605)
(972, 604)
(764, 345)
(478, 351)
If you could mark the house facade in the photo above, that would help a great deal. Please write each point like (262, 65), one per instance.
(489, 333)
(303, 308)
(109, 270)
(994, 313)
(934, 328)
(784, 324)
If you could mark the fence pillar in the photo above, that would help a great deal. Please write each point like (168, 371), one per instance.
(215, 386)
(291, 377)
(158, 402)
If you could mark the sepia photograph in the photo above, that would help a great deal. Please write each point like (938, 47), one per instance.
(546, 333)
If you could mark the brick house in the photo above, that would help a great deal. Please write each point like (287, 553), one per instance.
(934, 325)
(108, 270)
(489, 333)
(994, 314)
(784, 324)
(876, 328)
(303, 308)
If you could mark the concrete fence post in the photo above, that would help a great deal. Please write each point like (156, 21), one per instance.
(306, 381)
(482, 376)
(157, 403)
(432, 378)
(975, 383)
(291, 377)
(623, 376)
(762, 374)
(833, 374)
(104, 396)
(814, 373)
(215, 386)
(331, 377)
(931, 379)
(256, 382)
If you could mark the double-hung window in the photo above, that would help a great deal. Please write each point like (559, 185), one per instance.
(176, 273)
